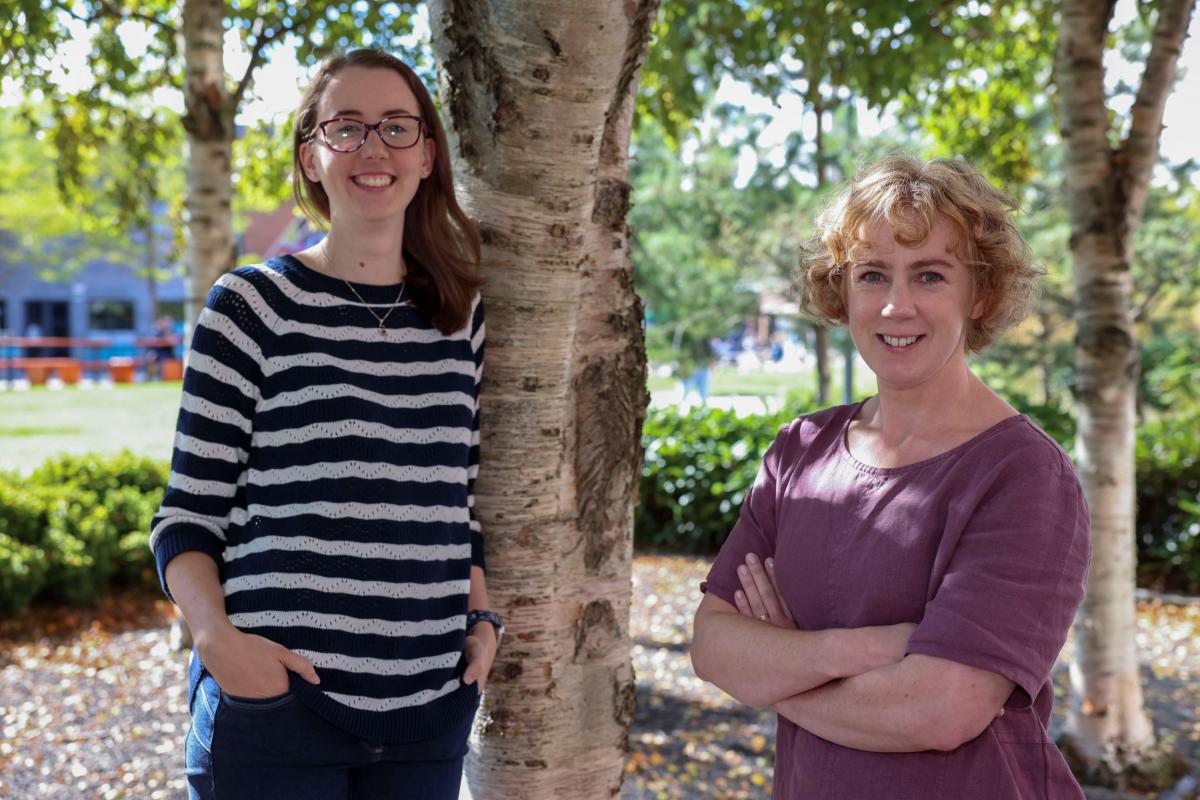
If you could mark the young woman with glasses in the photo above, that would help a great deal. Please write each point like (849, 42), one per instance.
(905, 569)
(319, 532)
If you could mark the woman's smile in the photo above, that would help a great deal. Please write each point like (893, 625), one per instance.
(909, 308)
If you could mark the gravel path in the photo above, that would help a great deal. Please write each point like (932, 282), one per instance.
(92, 701)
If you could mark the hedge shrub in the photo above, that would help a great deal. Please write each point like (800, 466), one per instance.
(76, 525)
(697, 469)
(1168, 502)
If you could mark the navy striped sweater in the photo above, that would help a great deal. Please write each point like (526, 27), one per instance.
(328, 468)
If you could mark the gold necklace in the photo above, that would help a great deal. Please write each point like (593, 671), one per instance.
(371, 310)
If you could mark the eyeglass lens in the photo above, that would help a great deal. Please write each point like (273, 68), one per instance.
(346, 135)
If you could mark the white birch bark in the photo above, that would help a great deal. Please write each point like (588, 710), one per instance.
(208, 120)
(540, 96)
(1108, 729)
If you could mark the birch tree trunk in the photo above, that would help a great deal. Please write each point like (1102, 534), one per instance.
(540, 95)
(208, 120)
(1109, 737)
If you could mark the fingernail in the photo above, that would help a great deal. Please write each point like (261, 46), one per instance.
(770, 563)
(743, 571)
(739, 594)
(751, 558)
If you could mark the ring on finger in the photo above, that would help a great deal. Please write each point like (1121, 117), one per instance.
(763, 617)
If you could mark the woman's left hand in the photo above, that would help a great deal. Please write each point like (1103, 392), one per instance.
(759, 596)
(481, 652)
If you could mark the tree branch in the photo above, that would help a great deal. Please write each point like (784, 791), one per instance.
(1140, 148)
(1143, 308)
(256, 59)
(109, 11)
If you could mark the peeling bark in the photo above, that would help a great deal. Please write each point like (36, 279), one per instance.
(540, 97)
(1109, 734)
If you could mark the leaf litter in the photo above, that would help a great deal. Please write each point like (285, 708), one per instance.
(92, 701)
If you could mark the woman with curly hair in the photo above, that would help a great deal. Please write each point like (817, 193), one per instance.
(905, 569)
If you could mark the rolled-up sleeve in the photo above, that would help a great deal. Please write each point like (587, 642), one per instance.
(1015, 577)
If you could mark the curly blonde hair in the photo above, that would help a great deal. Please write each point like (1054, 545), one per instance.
(911, 195)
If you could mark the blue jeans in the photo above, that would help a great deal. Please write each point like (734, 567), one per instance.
(275, 747)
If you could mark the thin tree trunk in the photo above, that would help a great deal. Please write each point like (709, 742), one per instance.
(820, 332)
(821, 351)
(208, 119)
(1109, 734)
(540, 96)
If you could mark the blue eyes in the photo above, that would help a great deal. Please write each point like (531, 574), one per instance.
(926, 278)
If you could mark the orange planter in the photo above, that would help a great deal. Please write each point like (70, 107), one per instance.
(121, 370)
(37, 375)
(70, 374)
(172, 370)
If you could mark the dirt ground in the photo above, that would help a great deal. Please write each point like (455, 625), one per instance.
(92, 700)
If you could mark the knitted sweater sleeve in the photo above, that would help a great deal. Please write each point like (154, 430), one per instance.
(477, 347)
(221, 389)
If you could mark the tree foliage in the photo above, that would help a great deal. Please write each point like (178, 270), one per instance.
(128, 100)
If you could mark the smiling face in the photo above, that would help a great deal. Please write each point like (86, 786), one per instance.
(375, 182)
(910, 308)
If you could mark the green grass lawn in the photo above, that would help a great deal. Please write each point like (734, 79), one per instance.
(727, 380)
(39, 423)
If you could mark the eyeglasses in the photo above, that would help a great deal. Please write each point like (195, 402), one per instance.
(345, 135)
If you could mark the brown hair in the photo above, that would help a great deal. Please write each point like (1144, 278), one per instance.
(441, 245)
(911, 195)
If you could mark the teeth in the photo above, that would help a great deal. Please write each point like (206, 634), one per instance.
(373, 180)
(899, 342)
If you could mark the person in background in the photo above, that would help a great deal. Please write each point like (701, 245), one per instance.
(905, 569)
(319, 531)
(163, 349)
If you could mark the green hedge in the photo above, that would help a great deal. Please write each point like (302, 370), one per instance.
(76, 525)
(699, 465)
(1168, 502)
(79, 524)
(697, 470)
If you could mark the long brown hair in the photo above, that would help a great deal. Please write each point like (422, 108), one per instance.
(441, 244)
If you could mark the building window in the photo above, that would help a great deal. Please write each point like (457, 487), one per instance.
(110, 315)
(172, 310)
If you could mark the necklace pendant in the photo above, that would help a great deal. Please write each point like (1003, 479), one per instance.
(382, 330)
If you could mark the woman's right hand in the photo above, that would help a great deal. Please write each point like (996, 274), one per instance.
(245, 665)
(877, 646)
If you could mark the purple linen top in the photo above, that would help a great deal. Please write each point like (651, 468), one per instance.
(984, 546)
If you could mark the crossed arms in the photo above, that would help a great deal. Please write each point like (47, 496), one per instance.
(855, 686)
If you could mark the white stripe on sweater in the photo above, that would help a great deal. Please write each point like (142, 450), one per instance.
(393, 703)
(338, 430)
(196, 486)
(228, 376)
(348, 624)
(363, 470)
(203, 407)
(174, 516)
(337, 548)
(341, 391)
(321, 583)
(215, 450)
(377, 369)
(381, 666)
(220, 323)
(337, 333)
(326, 300)
(390, 512)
